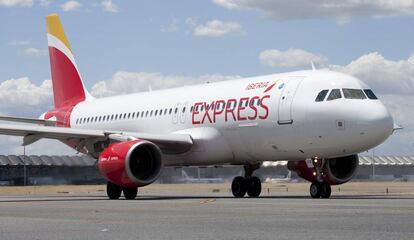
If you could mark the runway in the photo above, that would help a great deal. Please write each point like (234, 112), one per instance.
(213, 215)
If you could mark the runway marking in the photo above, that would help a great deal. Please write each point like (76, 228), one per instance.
(208, 201)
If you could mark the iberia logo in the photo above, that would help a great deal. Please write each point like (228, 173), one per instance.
(266, 85)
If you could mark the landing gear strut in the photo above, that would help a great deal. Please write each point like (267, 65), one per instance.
(319, 189)
(248, 184)
(114, 191)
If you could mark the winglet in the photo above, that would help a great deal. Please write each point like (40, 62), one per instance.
(313, 66)
(397, 127)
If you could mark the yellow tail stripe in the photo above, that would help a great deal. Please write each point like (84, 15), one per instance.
(54, 27)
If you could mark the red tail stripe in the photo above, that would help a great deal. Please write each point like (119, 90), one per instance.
(67, 84)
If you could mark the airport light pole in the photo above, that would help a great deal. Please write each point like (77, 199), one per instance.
(24, 166)
(373, 164)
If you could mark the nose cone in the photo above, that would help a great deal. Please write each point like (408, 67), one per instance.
(375, 123)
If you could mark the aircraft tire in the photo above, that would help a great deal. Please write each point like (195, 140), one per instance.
(325, 190)
(239, 186)
(130, 193)
(315, 190)
(254, 187)
(113, 191)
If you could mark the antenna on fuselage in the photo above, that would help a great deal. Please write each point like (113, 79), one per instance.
(313, 66)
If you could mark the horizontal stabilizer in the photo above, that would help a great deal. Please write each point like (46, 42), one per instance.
(28, 120)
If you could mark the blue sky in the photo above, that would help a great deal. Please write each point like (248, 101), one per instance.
(183, 40)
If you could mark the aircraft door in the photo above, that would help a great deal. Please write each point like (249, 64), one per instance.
(286, 100)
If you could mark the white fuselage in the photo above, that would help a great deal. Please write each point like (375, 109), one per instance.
(286, 124)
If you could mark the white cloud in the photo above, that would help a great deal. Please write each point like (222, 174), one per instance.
(172, 27)
(290, 58)
(70, 6)
(132, 82)
(337, 9)
(20, 43)
(109, 6)
(45, 3)
(22, 96)
(215, 28)
(191, 21)
(384, 75)
(16, 3)
(36, 52)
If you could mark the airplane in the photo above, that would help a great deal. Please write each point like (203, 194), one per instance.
(318, 120)
(188, 179)
(286, 179)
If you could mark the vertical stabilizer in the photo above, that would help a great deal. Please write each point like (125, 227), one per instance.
(68, 88)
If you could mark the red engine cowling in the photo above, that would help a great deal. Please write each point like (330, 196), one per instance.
(131, 164)
(335, 171)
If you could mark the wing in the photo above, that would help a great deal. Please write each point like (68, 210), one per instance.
(28, 120)
(90, 139)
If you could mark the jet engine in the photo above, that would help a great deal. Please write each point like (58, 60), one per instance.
(131, 164)
(334, 171)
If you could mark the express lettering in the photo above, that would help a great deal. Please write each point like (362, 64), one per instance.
(245, 108)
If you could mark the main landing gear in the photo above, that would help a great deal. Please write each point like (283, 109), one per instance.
(319, 189)
(248, 184)
(114, 191)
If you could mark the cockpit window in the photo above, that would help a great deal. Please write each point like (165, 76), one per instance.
(353, 93)
(321, 95)
(370, 94)
(335, 94)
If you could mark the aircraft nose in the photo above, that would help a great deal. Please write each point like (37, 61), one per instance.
(375, 122)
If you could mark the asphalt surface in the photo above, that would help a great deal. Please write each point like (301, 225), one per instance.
(92, 216)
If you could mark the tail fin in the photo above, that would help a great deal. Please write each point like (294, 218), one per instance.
(68, 88)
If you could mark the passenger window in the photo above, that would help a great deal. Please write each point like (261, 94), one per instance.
(156, 113)
(370, 94)
(170, 111)
(335, 94)
(184, 110)
(321, 95)
(353, 93)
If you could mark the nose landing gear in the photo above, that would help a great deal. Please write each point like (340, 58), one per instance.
(319, 189)
(248, 184)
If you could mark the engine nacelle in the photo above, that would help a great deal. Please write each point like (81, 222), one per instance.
(131, 164)
(335, 171)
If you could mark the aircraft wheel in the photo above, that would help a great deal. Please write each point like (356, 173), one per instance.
(254, 187)
(239, 187)
(113, 191)
(325, 190)
(130, 193)
(315, 190)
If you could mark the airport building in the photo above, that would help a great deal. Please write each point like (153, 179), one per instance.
(43, 170)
